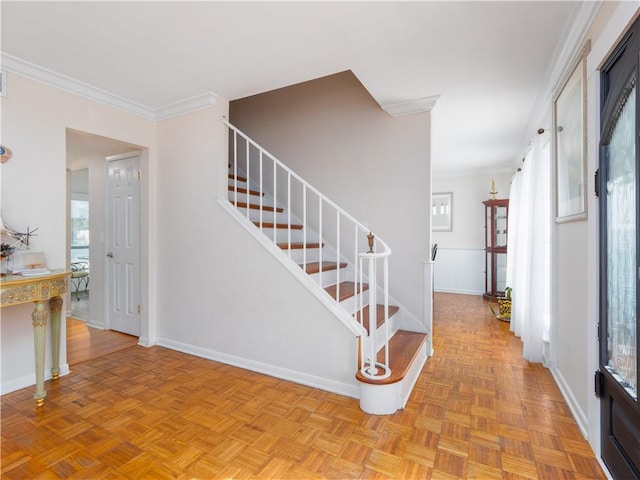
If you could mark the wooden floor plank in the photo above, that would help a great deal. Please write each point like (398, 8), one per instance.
(157, 413)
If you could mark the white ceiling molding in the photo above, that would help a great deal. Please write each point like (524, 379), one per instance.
(566, 51)
(410, 107)
(185, 106)
(21, 67)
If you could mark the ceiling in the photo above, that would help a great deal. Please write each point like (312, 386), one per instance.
(83, 148)
(486, 62)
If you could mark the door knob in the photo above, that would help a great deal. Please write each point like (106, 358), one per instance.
(109, 254)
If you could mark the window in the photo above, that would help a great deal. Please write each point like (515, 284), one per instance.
(79, 231)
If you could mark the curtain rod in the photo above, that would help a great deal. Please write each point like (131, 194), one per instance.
(540, 131)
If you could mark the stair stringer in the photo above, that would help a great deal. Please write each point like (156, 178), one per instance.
(340, 313)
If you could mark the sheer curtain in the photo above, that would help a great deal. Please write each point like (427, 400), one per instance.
(528, 250)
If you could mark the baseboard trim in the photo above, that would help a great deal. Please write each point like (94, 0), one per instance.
(576, 411)
(460, 292)
(260, 367)
(29, 380)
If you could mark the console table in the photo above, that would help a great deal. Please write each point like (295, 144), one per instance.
(18, 289)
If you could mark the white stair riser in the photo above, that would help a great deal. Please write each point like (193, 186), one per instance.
(282, 235)
(330, 277)
(246, 198)
(352, 304)
(254, 215)
(313, 255)
(237, 184)
(381, 331)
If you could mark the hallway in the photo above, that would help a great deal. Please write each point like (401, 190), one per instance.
(478, 411)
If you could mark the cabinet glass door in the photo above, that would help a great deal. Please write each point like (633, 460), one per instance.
(501, 226)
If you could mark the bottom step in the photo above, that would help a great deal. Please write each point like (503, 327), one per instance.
(407, 354)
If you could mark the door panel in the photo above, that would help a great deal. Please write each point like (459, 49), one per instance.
(619, 270)
(124, 246)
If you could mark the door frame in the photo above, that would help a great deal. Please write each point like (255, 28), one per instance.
(604, 380)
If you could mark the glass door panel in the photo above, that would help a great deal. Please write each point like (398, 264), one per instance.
(621, 355)
(501, 272)
(489, 273)
(501, 227)
(488, 233)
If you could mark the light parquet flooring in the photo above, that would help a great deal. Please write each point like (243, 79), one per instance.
(86, 343)
(478, 411)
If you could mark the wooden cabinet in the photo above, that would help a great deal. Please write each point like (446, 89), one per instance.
(496, 214)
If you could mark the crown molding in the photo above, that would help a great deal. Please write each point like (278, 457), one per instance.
(21, 67)
(187, 105)
(410, 107)
(564, 57)
(36, 72)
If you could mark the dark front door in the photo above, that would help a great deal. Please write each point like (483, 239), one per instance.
(620, 251)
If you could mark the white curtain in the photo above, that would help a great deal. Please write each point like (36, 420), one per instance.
(528, 250)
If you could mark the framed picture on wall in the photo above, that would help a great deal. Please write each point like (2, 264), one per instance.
(442, 212)
(570, 140)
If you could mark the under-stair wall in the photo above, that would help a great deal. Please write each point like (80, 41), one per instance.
(219, 296)
(332, 133)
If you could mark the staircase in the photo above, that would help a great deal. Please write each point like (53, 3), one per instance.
(345, 264)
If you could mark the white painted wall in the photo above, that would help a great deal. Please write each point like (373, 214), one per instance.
(34, 121)
(220, 293)
(332, 133)
(460, 262)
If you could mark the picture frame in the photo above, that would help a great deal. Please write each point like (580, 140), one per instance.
(442, 212)
(570, 143)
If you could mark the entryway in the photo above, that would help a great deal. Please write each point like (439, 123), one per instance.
(87, 158)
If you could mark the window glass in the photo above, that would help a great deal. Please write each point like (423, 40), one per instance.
(79, 231)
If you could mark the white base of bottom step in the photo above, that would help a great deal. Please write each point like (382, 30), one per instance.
(388, 399)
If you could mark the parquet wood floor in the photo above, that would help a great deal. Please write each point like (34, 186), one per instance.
(86, 343)
(478, 411)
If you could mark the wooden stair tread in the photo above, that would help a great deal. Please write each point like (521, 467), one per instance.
(314, 267)
(297, 245)
(239, 178)
(404, 346)
(255, 206)
(231, 188)
(393, 309)
(347, 290)
(277, 225)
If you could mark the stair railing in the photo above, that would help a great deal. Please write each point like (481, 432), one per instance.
(268, 173)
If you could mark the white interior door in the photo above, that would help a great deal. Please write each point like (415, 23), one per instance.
(123, 252)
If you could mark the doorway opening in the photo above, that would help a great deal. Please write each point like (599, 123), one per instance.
(88, 236)
(79, 253)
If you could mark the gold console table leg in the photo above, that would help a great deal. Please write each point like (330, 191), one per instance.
(55, 305)
(39, 322)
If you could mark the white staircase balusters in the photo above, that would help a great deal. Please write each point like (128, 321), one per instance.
(370, 366)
